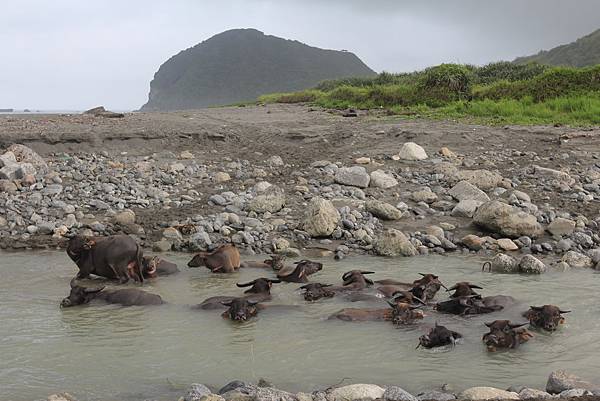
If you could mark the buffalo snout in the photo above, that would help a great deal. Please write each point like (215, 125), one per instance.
(240, 309)
(547, 317)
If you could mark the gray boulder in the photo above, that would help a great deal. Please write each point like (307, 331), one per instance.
(354, 392)
(504, 263)
(320, 218)
(559, 227)
(394, 393)
(383, 210)
(196, 392)
(381, 179)
(506, 220)
(466, 208)
(394, 243)
(435, 396)
(531, 265)
(577, 260)
(487, 393)
(560, 381)
(23, 154)
(272, 201)
(353, 176)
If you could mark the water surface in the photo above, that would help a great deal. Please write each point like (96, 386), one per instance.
(102, 352)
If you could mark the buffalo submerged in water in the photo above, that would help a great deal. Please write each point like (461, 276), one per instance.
(80, 295)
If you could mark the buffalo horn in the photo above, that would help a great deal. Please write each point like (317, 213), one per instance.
(366, 272)
(564, 311)
(452, 288)
(274, 280)
(515, 326)
(248, 284)
(475, 286)
(536, 308)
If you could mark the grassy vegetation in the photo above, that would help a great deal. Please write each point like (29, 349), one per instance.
(496, 93)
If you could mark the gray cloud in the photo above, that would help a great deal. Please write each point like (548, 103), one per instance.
(71, 54)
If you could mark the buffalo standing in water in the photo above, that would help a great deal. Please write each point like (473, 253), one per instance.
(128, 296)
(547, 317)
(224, 259)
(259, 291)
(439, 336)
(503, 334)
(114, 257)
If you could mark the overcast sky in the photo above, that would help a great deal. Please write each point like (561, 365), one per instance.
(75, 54)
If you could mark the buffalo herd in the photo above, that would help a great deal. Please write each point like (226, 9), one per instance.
(120, 258)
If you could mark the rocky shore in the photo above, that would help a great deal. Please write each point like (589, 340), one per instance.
(560, 385)
(526, 209)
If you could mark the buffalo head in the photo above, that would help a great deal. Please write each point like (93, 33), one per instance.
(438, 336)
(463, 289)
(315, 291)
(259, 286)
(430, 284)
(276, 262)
(504, 334)
(468, 305)
(149, 266)
(357, 279)
(403, 313)
(240, 309)
(547, 317)
(78, 245)
(309, 266)
(198, 260)
(407, 297)
(79, 295)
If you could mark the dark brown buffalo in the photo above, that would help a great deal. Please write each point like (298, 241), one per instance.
(315, 291)
(547, 317)
(115, 257)
(355, 280)
(224, 259)
(259, 291)
(474, 304)
(128, 296)
(407, 297)
(240, 309)
(463, 289)
(276, 262)
(399, 313)
(504, 334)
(426, 287)
(155, 266)
(299, 273)
(438, 336)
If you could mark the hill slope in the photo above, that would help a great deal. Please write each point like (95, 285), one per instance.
(242, 64)
(581, 53)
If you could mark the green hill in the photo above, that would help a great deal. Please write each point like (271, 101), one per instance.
(242, 64)
(581, 53)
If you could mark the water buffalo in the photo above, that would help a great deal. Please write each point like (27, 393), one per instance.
(128, 296)
(299, 273)
(407, 297)
(154, 266)
(463, 289)
(426, 287)
(547, 317)
(224, 259)
(115, 257)
(399, 313)
(259, 291)
(504, 334)
(474, 304)
(438, 336)
(355, 280)
(315, 291)
(240, 309)
(275, 262)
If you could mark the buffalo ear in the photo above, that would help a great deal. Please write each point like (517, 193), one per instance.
(93, 290)
(369, 281)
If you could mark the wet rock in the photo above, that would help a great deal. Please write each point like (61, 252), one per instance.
(196, 392)
(435, 396)
(383, 210)
(466, 208)
(577, 260)
(355, 176)
(560, 381)
(393, 393)
(473, 242)
(320, 218)
(487, 393)
(381, 179)
(561, 227)
(412, 151)
(533, 394)
(531, 265)
(464, 190)
(272, 201)
(231, 386)
(504, 264)
(394, 243)
(356, 392)
(424, 196)
(506, 220)
(507, 244)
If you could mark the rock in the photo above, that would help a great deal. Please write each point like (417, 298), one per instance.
(125, 217)
(353, 392)
(272, 201)
(24, 170)
(577, 260)
(487, 393)
(3, 222)
(55, 189)
(531, 393)
(46, 228)
(506, 220)
(576, 392)
(464, 190)
(186, 154)
(435, 396)
(393, 393)
(412, 151)
(394, 243)
(522, 196)
(9, 172)
(320, 218)
(504, 264)
(383, 210)
(560, 176)
(560, 381)
(424, 196)
(482, 179)
(507, 244)
(447, 153)
(7, 186)
(7, 159)
(363, 160)
(473, 242)
(23, 154)
(466, 208)
(353, 176)
(531, 265)
(231, 386)
(275, 161)
(380, 179)
(221, 177)
(561, 227)
(100, 111)
(61, 397)
(161, 246)
(304, 397)
(196, 392)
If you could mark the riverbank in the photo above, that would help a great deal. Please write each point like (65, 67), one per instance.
(288, 179)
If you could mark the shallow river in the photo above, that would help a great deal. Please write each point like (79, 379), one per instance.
(101, 352)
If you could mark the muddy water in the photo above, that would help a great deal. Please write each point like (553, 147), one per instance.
(101, 352)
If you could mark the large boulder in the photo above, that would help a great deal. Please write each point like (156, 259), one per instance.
(383, 210)
(355, 176)
(529, 264)
(412, 151)
(577, 260)
(354, 392)
(466, 208)
(487, 393)
(560, 381)
(560, 227)
(272, 201)
(381, 179)
(320, 218)
(504, 264)
(482, 179)
(23, 154)
(394, 243)
(394, 393)
(506, 220)
(464, 190)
